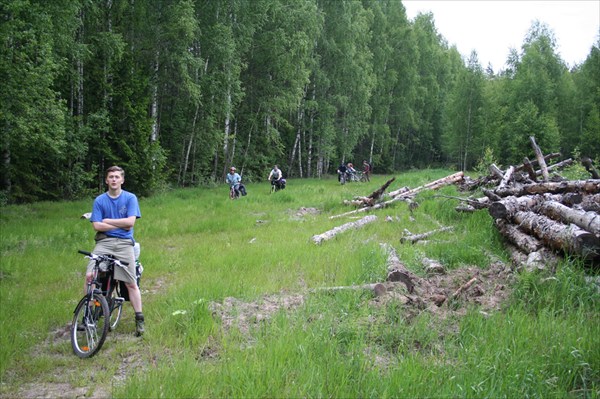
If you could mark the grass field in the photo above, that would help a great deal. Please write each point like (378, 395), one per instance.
(239, 303)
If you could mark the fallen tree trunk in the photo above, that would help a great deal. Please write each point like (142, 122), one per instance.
(529, 169)
(525, 242)
(534, 163)
(397, 271)
(402, 194)
(540, 158)
(434, 185)
(589, 221)
(507, 177)
(470, 204)
(328, 235)
(556, 166)
(495, 171)
(590, 203)
(508, 206)
(412, 238)
(371, 199)
(589, 166)
(570, 239)
(591, 186)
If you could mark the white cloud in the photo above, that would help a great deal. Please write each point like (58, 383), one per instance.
(492, 27)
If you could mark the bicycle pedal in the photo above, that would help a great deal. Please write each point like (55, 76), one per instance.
(119, 299)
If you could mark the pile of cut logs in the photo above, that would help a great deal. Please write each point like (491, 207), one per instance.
(543, 218)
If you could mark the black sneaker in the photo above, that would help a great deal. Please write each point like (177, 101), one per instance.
(139, 327)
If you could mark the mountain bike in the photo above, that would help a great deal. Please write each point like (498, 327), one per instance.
(100, 309)
(277, 185)
(233, 193)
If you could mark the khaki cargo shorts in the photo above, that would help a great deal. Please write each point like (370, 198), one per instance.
(122, 249)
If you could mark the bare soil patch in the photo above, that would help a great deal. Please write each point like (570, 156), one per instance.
(434, 294)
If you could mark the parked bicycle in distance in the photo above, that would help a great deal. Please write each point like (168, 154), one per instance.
(100, 309)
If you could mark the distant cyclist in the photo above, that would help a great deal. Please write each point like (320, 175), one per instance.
(341, 171)
(276, 177)
(367, 168)
(350, 170)
(234, 180)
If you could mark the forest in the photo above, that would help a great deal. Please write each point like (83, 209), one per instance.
(176, 91)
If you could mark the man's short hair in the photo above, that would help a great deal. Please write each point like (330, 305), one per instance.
(115, 168)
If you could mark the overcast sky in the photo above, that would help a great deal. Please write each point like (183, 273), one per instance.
(492, 27)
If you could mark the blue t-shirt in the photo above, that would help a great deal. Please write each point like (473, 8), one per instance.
(233, 179)
(124, 206)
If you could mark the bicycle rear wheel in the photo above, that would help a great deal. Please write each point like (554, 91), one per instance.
(90, 325)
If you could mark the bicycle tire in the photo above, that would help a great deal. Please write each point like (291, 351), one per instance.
(93, 316)
(115, 306)
(342, 179)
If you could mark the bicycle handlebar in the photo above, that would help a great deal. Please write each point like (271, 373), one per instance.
(108, 258)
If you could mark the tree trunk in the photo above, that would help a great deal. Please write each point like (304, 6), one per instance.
(508, 206)
(582, 186)
(529, 168)
(397, 271)
(434, 185)
(154, 107)
(589, 166)
(507, 177)
(540, 158)
(227, 159)
(523, 241)
(505, 208)
(589, 221)
(495, 171)
(412, 238)
(328, 235)
(570, 239)
(186, 160)
(590, 203)
(402, 193)
(375, 195)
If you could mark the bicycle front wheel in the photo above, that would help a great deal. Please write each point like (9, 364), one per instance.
(90, 325)
(115, 306)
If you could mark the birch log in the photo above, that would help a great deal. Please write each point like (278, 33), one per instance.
(540, 158)
(434, 185)
(591, 186)
(590, 203)
(328, 235)
(397, 271)
(412, 238)
(589, 221)
(402, 194)
(524, 242)
(570, 239)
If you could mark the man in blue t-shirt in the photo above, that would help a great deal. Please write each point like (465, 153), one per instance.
(113, 216)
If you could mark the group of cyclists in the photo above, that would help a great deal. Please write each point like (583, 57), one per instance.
(346, 172)
(236, 188)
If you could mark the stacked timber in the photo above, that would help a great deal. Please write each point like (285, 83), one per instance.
(548, 217)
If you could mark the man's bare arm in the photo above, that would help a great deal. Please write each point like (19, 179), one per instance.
(111, 224)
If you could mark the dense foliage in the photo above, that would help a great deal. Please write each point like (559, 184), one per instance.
(177, 90)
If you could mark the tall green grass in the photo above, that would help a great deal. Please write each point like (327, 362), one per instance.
(199, 248)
